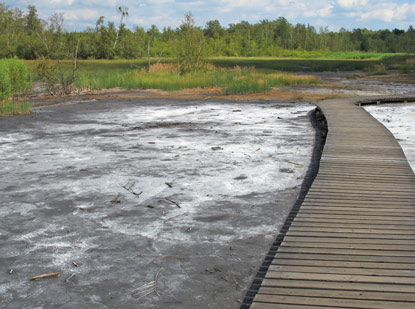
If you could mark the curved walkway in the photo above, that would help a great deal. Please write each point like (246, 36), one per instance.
(352, 243)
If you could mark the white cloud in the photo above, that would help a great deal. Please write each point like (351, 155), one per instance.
(246, 3)
(86, 14)
(61, 2)
(325, 12)
(382, 14)
(160, 1)
(348, 4)
(389, 12)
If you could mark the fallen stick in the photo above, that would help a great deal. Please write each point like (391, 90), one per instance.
(173, 202)
(156, 279)
(116, 200)
(148, 288)
(160, 256)
(48, 275)
(130, 189)
(69, 278)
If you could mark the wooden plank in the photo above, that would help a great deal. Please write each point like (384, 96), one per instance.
(409, 211)
(349, 252)
(359, 170)
(291, 254)
(353, 230)
(256, 305)
(361, 187)
(355, 221)
(338, 240)
(340, 285)
(348, 235)
(388, 217)
(403, 297)
(361, 197)
(369, 225)
(352, 245)
(355, 202)
(363, 175)
(330, 263)
(344, 270)
(358, 188)
(354, 212)
(330, 302)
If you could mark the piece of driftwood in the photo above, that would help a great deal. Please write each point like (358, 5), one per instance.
(48, 275)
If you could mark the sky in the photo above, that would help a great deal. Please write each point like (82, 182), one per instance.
(334, 14)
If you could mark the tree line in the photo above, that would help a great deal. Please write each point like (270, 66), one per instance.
(25, 35)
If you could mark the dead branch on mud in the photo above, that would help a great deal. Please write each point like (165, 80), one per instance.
(116, 200)
(173, 202)
(130, 189)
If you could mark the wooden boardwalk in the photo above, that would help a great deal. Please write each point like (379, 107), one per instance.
(352, 243)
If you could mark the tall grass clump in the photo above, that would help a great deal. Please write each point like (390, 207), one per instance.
(11, 107)
(378, 69)
(14, 80)
(408, 66)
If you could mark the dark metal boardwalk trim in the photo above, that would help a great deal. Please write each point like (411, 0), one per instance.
(351, 244)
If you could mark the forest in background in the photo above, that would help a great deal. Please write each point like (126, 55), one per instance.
(26, 36)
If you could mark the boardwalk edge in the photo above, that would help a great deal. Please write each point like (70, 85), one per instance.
(319, 124)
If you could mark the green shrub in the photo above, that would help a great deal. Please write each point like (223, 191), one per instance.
(14, 79)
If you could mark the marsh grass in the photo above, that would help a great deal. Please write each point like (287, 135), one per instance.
(233, 74)
(238, 80)
(11, 107)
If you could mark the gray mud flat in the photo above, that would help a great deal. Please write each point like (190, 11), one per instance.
(109, 194)
(400, 120)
